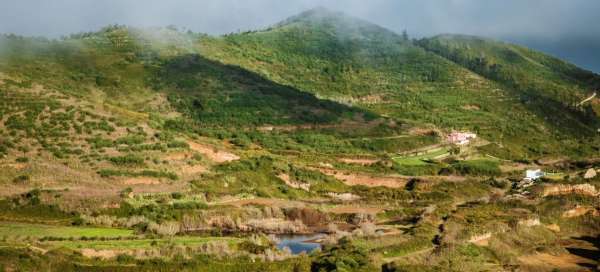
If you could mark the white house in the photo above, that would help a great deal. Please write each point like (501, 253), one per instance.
(461, 138)
(534, 174)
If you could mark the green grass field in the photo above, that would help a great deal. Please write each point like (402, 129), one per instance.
(33, 230)
(187, 241)
(421, 159)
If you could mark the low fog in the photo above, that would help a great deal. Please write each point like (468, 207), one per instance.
(567, 29)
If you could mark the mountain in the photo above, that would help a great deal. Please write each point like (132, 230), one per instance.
(316, 69)
(354, 62)
(547, 83)
(131, 149)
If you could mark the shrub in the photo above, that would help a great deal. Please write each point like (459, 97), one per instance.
(21, 179)
(131, 140)
(78, 221)
(166, 228)
(476, 168)
(177, 144)
(127, 160)
(252, 247)
(342, 257)
(105, 173)
(22, 159)
(98, 142)
(125, 193)
(124, 258)
(177, 195)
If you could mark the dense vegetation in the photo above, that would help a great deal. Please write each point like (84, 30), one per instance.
(133, 149)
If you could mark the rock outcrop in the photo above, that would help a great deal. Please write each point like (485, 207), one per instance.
(590, 174)
(565, 189)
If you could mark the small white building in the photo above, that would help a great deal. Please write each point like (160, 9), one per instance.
(461, 138)
(534, 174)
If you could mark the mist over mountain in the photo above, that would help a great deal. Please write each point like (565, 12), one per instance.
(321, 141)
(562, 28)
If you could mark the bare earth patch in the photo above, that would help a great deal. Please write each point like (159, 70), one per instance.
(565, 189)
(547, 262)
(354, 209)
(481, 240)
(102, 254)
(293, 184)
(353, 179)
(471, 107)
(344, 196)
(578, 211)
(179, 156)
(213, 154)
(141, 180)
(359, 161)
(17, 166)
(552, 160)
(193, 169)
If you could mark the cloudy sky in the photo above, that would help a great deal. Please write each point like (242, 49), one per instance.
(565, 28)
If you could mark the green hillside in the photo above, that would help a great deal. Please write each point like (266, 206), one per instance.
(508, 94)
(357, 63)
(129, 149)
(545, 83)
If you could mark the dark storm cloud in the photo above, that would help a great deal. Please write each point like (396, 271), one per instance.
(566, 28)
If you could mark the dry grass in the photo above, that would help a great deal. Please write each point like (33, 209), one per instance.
(212, 153)
(141, 180)
(355, 210)
(547, 262)
(359, 161)
(353, 179)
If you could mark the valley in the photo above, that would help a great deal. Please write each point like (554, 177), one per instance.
(132, 149)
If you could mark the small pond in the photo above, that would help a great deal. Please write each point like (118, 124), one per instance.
(299, 243)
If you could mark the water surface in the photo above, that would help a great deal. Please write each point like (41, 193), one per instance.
(299, 243)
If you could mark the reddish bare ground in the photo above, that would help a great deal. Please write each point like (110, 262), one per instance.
(355, 209)
(353, 179)
(565, 189)
(176, 156)
(9, 190)
(102, 254)
(141, 180)
(547, 262)
(17, 166)
(578, 211)
(193, 169)
(213, 154)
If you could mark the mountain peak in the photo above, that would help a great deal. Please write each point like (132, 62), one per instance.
(339, 24)
(319, 12)
(321, 15)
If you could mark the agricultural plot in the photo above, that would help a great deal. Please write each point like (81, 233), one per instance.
(419, 160)
(186, 241)
(39, 231)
